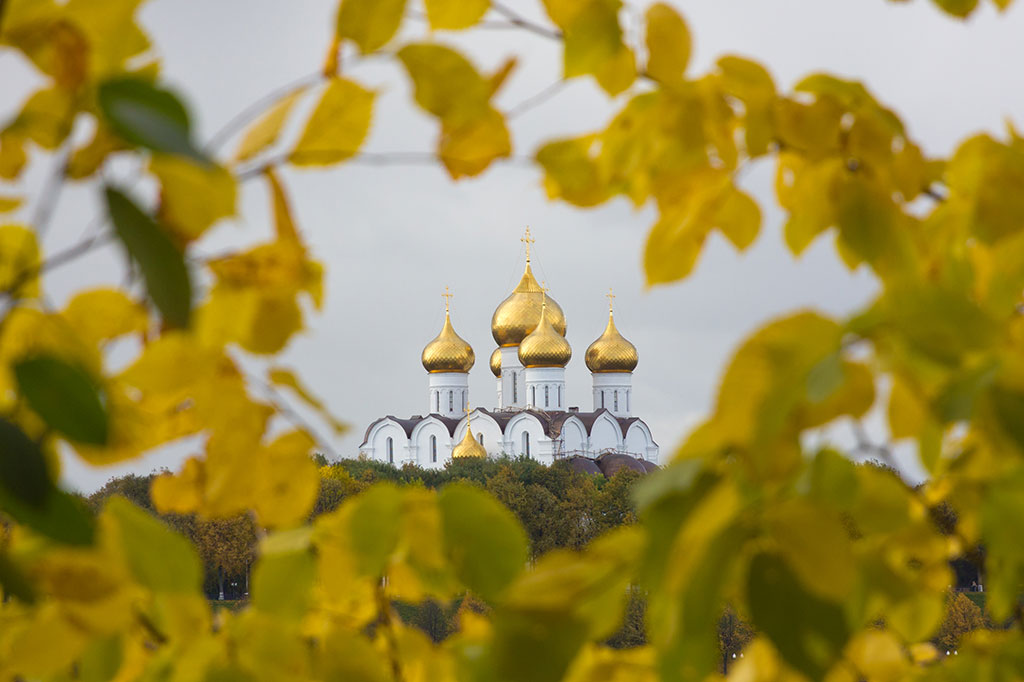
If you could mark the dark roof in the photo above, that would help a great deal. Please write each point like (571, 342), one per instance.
(611, 463)
(409, 424)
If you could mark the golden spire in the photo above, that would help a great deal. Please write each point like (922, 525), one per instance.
(468, 447)
(611, 352)
(544, 346)
(448, 352)
(519, 314)
(527, 239)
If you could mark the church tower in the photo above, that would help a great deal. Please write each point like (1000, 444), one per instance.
(448, 359)
(513, 320)
(544, 353)
(611, 360)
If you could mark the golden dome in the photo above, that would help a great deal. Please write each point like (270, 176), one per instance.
(611, 352)
(544, 347)
(468, 447)
(448, 352)
(518, 315)
(496, 362)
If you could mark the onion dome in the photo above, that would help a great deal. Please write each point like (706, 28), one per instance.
(468, 447)
(448, 352)
(544, 347)
(496, 362)
(611, 352)
(518, 315)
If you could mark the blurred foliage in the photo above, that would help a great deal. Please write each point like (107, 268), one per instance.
(843, 570)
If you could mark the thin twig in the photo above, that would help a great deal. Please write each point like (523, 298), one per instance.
(519, 21)
(249, 113)
(282, 407)
(51, 193)
(536, 99)
(367, 158)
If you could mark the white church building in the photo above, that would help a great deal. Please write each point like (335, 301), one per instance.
(531, 418)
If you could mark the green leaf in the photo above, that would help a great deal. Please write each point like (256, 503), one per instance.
(23, 471)
(158, 557)
(808, 632)
(283, 578)
(162, 264)
(484, 542)
(14, 582)
(65, 396)
(145, 115)
(61, 517)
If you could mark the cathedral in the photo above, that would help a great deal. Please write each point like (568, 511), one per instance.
(531, 418)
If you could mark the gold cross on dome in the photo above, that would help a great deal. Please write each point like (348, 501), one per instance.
(447, 296)
(543, 295)
(611, 298)
(527, 239)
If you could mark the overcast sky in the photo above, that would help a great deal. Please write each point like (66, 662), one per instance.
(393, 237)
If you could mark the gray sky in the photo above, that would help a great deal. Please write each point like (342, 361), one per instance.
(393, 237)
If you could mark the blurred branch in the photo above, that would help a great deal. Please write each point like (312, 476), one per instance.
(520, 22)
(367, 158)
(284, 409)
(536, 99)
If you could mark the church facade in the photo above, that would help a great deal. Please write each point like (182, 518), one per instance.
(532, 417)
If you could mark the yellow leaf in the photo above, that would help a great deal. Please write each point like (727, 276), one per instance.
(8, 204)
(288, 480)
(19, 261)
(811, 197)
(193, 197)
(12, 153)
(907, 414)
(613, 665)
(46, 117)
(42, 644)
(99, 315)
(370, 24)
(982, 175)
(668, 44)
(285, 377)
(816, 545)
(738, 217)
(283, 223)
(339, 124)
(593, 42)
(455, 14)
(445, 83)
(878, 655)
(99, 23)
(180, 493)
(87, 160)
(259, 320)
(571, 173)
(469, 148)
(266, 129)
(813, 129)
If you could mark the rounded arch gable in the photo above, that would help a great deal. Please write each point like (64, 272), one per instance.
(574, 436)
(524, 432)
(638, 439)
(421, 439)
(379, 441)
(483, 424)
(605, 434)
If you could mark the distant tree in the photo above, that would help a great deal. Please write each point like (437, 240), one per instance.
(733, 636)
(962, 617)
(227, 547)
(131, 486)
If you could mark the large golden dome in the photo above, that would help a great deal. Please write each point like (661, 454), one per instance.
(448, 352)
(544, 346)
(496, 362)
(611, 352)
(468, 447)
(518, 315)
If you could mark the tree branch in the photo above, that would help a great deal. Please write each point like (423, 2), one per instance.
(517, 20)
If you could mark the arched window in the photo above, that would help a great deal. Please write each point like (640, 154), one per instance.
(547, 395)
(559, 395)
(451, 399)
(515, 389)
(533, 396)
(391, 450)
(437, 401)
(480, 437)
(602, 398)
(616, 401)
(463, 401)
(526, 443)
(433, 448)
(627, 401)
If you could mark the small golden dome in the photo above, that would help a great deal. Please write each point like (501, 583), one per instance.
(611, 352)
(496, 362)
(468, 447)
(518, 315)
(448, 352)
(544, 347)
